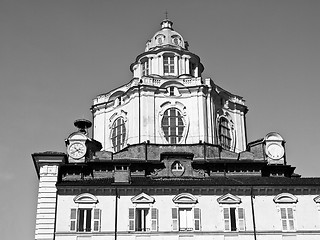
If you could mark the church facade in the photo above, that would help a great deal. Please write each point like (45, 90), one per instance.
(169, 159)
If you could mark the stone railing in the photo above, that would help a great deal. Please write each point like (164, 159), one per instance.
(159, 81)
(191, 81)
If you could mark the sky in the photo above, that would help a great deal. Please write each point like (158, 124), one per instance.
(56, 56)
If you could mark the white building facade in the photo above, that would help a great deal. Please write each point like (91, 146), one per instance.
(169, 159)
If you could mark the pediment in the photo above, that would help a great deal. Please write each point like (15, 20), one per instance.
(229, 199)
(85, 198)
(285, 198)
(142, 198)
(317, 199)
(184, 198)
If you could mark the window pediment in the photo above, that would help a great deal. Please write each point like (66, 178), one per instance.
(85, 198)
(115, 95)
(229, 199)
(185, 198)
(142, 198)
(317, 199)
(285, 198)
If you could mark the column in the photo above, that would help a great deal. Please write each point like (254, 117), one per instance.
(183, 65)
(155, 69)
(160, 59)
(187, 66)
(150, 66)
(176, 65)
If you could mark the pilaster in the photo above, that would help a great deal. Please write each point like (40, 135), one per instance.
(47, 165)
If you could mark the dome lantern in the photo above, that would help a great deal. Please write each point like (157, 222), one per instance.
(166, 23)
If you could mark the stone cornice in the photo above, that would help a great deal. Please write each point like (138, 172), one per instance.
(48, 158)
(128, 190)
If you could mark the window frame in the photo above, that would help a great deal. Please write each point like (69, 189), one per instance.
(168, 64)
(285, 201)
(225, 136)
(192, 216)
(79, 220)
(233, 222)
(147, 223)
(118, 140)
(145, 68)
(141, 203)
(228, 202)
(288, 224)
(186, 202)
(173, 126)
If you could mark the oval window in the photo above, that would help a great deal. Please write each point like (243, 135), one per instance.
(173, 125)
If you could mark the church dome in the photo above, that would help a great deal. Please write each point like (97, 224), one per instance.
(167, 55)
(166, 37)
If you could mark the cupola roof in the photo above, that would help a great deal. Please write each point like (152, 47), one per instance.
(166, 37)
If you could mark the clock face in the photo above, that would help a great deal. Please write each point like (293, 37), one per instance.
(77, 150)
(275, 151)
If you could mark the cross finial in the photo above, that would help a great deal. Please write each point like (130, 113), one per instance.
(166, 14)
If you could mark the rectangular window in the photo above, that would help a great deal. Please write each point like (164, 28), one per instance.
(142, 216)
(83, 219)
(287, 219)
(168, 64)
(186, 219)
(145, 68)
(225, 134)
(192, 68)
(234, 219)
(143, 219)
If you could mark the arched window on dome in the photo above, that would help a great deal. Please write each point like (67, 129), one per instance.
(225, 133)
(118, 134)
(173, 124)
(168, 64)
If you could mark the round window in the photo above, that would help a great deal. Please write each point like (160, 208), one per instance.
(177, 168)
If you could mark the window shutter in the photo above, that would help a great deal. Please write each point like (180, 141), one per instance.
(226, 218)
(73, 219)
(197, 225)
(241, 219)
(96, 220)
(131, 219)
(175, 220)
(154, 219)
